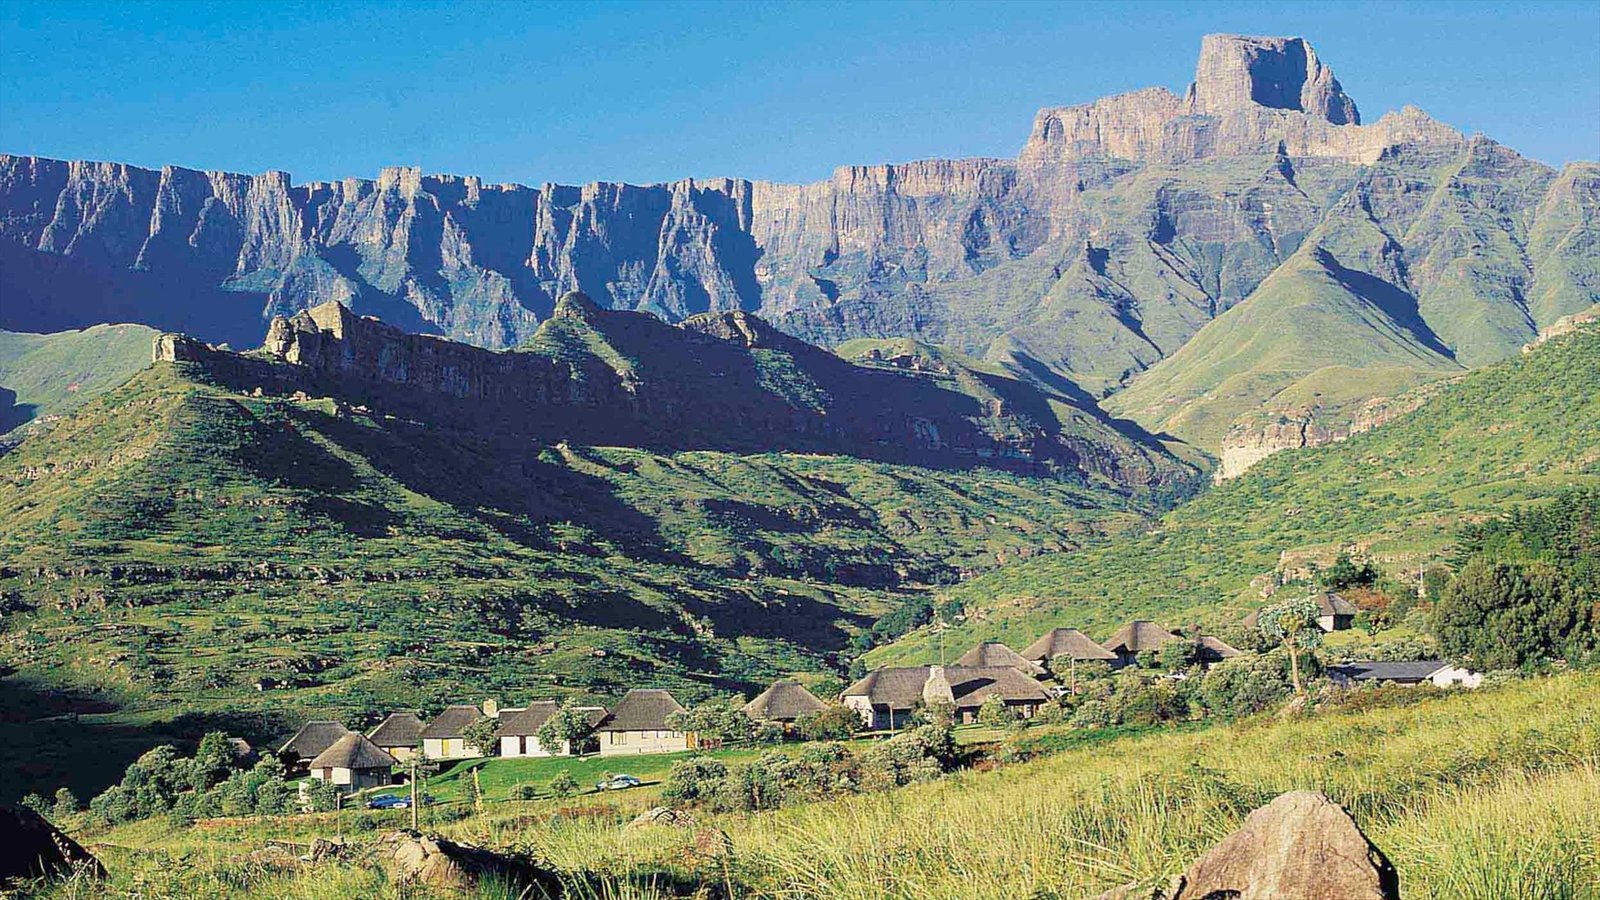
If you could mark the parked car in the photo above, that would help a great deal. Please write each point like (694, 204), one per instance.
(396, 801)
(618, 783)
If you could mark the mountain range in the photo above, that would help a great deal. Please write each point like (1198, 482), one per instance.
(1111, 254)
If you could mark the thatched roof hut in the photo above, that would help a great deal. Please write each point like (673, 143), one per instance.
(312, 738)
(452, 722)
(353, 751)
(1138, 636)
(1068, 642)
(784, 701)
(398, 729)
(642, 709)
(993, 653)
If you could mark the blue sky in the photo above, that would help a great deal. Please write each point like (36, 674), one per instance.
(660, 90)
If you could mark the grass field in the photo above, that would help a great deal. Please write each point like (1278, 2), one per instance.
(1482, 795)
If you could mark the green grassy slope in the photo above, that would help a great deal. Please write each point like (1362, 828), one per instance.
(50, 374)
(1308, 315)
(1507, 434)
(173, 542)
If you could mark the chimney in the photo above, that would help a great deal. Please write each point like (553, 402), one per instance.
(937, 688)
(491, 708)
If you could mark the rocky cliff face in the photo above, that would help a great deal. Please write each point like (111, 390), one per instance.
(717, 381)
(1122, 228)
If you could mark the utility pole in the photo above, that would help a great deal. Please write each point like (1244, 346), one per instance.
(414, 770)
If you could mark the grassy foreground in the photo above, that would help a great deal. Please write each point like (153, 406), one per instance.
(1474, 796)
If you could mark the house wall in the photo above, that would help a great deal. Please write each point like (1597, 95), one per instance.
(448, 748)
(1335, 623)
(400, 754)
(348, 781)
(633, 743)
(1456, 676)
(527, 745)
(877, 718)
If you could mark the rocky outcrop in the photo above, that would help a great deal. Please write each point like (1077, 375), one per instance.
(31, 847)
(1256, 437)
(1301, 846)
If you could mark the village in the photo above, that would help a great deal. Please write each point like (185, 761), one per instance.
(884, 701)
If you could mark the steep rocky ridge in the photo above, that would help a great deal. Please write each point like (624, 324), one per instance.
(1121, 229)
(723, 381)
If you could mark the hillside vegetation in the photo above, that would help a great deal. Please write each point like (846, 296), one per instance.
(50, 374)
(177, 553)
(1499, 437)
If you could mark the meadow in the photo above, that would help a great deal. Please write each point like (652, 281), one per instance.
(1473, 795)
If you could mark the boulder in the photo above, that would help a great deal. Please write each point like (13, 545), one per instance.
(447, 866)
(30, 847)
(1301, 846)
(662, 815)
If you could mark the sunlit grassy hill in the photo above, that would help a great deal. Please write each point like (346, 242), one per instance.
(1504, 435)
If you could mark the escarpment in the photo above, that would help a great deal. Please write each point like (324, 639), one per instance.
(726, 381)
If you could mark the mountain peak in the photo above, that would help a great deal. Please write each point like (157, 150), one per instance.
(1236, 71)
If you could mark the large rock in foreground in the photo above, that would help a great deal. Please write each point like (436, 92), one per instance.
(1301, 846)
(30, 847)
(447, 866)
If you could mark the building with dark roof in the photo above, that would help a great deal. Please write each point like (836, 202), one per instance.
(519, 728)
(443, 738)
(353, 763)
(1334, 613)
(638, 724)
(1433, 671)
(312, 738)
(886, 697)
(784, 702)
(399, 735)
(1135, 638)
(1212, 650)
(994, 653)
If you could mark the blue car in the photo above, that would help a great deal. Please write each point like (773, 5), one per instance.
(618, 783)
(395, 801)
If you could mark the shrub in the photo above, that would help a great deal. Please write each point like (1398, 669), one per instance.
(694, 779)
(1091, 714)
(563, 785)
(1141, 702)
(66, 804)
(1245, 685)
(995, 713)
(835, 723)
(525, 792)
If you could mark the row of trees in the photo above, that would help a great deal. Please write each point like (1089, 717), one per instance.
(213, 782)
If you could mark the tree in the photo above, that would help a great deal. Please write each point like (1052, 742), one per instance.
(484, 734)
(1175, 656)
(714, 723)
(833, 723)
(213, 761)
(66, 804)
(1503, 615)
(1292, 623)
(567, 727)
